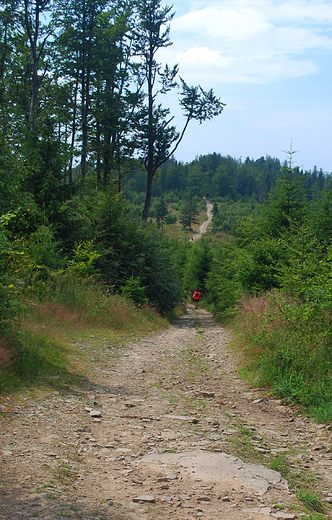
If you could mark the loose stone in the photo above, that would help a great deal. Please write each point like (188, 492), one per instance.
(95, 413)
(207, 394)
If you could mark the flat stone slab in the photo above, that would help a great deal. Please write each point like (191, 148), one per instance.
(145, 497)
(284, 516)
(177, 417)
(7, 453)
(220, 468)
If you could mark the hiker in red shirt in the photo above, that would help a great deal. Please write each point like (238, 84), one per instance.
(196, 296)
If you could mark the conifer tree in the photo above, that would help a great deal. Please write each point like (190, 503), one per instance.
(161, 212)
(189, 213)
(286, 206)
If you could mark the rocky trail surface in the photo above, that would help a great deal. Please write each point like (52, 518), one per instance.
(164, 429)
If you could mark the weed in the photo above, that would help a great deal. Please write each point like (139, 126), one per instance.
(65, 474)
(311, 501)
(316, 516)
(246, 432)
(278, 507)
(157, 384)
(173, 400)
(185, 397)
(280, 464)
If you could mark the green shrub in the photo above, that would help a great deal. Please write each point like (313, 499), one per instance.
(170, 218)
(129, 247)
(84, 259)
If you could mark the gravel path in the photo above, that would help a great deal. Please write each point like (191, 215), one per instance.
(205, 224)
(165, 429)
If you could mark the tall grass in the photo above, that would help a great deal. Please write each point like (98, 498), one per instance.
(37, 360)
(287, 346)
(41, 349)
(67, 297)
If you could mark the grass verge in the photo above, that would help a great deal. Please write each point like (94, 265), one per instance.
(67, 325)
(287, 348)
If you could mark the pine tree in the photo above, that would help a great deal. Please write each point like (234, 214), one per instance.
(157, 138)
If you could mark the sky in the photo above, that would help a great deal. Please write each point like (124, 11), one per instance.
(270, 61)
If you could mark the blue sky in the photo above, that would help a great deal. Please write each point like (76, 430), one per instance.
(271, 63)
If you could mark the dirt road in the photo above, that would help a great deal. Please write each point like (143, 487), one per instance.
(205, 224)
(165, 429)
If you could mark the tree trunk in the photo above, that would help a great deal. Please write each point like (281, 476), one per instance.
(149, 163)
(73, 133)
(86, 71)
(148, 196)
(33, 39)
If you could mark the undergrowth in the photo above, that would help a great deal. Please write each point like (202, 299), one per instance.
(287, 348)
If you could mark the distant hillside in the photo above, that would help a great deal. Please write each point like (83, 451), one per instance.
(219, 177)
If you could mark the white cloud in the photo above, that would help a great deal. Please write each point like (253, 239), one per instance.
(251, 40)
(297, 40)
(228, 23)
(242, 69)
(304, 12)
(270, 62)
(201, 57)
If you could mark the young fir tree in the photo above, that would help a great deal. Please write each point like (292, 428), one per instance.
(161, 212)
(215, 210)
(286, 207)
(321, 217)
(189, 212)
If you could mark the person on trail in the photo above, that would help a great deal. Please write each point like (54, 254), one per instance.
(196, 296)
(186, 296)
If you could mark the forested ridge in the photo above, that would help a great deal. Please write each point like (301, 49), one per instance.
(223, 177)
(96, 211)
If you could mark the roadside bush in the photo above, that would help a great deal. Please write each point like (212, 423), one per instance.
(259, 264)
(36, 255)
(84, 259)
